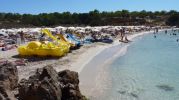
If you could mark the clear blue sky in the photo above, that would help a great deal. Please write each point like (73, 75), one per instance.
(41, 6)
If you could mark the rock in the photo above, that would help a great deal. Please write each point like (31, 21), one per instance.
(44, 85)
(47, 84)
(70, 85)
(8, 80)
(68, 76)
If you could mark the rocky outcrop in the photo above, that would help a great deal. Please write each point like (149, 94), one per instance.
(70, 85)
(47, 84)
(8, 80)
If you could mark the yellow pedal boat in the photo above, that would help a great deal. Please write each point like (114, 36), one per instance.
(45, 48)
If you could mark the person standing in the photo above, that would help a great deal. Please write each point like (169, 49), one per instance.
(165, 31)
(122, 33)
(22, 37)
(18, 39)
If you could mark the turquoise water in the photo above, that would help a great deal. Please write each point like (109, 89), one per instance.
(148, 71)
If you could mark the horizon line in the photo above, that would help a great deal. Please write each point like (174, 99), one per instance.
(91, 10)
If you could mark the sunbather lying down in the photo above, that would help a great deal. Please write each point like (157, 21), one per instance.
(20, 62)
(9, 47)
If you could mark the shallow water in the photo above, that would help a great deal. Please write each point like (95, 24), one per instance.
(145, 69)
(94, 79)
(148, 71)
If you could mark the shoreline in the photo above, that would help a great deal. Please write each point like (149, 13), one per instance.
(96, 81)
(95, 84)
(93, 52)
(75, 61)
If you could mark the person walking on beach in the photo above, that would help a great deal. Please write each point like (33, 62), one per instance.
(22, 37)
(18, 39)
(122, 33)
(124, 36)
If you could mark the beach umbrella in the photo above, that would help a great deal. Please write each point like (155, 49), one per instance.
(81, 31)
(71, 28)
(59, 27)
(3, 30)
(88, 27)
(35, 30)
(95, 30)
(3, 34)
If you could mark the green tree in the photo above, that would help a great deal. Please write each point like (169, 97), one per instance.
(94, 18)
(173, 20)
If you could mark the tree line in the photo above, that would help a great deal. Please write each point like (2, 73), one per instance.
(93, 18)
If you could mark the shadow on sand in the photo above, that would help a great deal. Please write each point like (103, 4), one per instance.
(35, 58)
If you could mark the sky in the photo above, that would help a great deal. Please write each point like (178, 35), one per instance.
(81, 6)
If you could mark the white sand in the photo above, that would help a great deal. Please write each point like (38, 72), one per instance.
(74, 61)
(89, 54)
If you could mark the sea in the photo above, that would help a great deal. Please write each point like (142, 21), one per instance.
(147, 69)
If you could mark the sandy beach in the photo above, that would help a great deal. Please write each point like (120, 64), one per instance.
(87, 53)
(89, 50)
(90, 61)
(95, 50)
(75, 61)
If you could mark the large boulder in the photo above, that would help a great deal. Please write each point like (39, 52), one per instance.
(70, 85)
(8, 80)
(44, 85)
(47, 84)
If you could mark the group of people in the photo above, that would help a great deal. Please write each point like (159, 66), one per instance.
(123, 35)
(19, 38)
(173, 32)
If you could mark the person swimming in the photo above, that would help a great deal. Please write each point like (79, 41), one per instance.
(155, 36)
(174, 34)
(165, 31)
